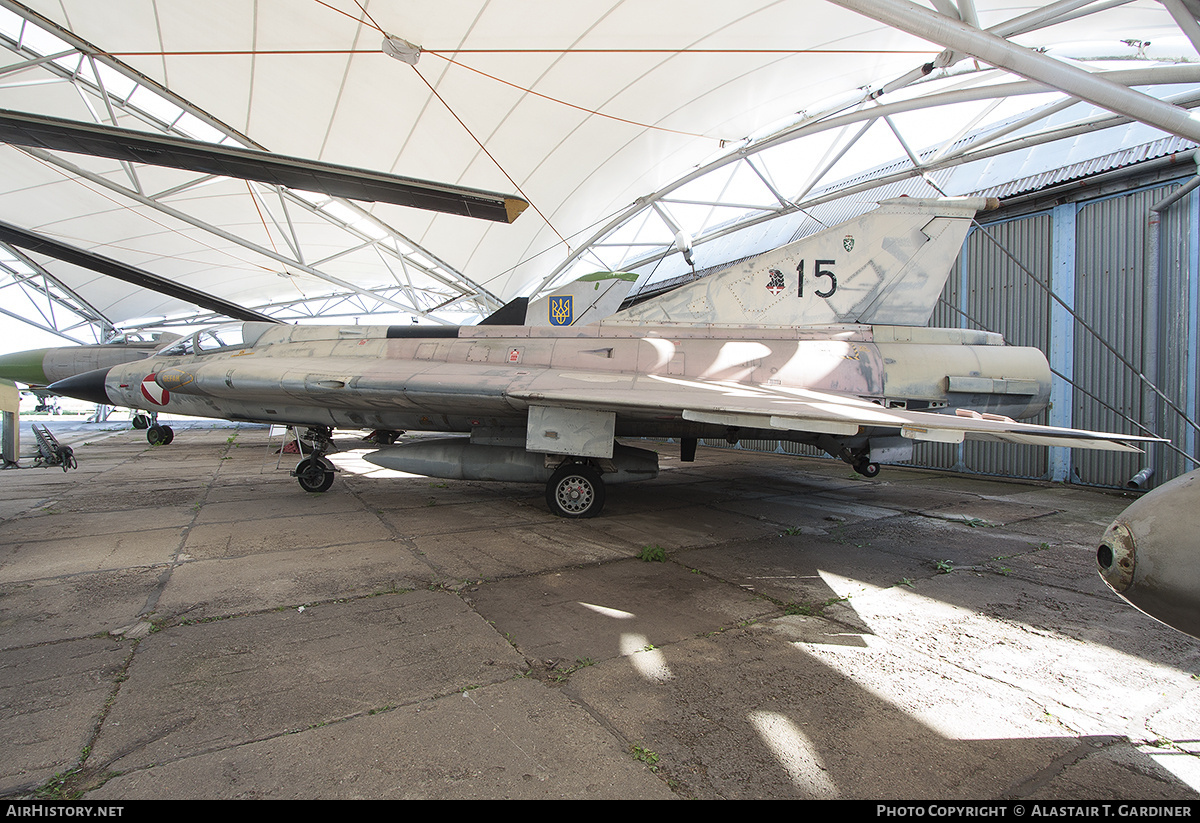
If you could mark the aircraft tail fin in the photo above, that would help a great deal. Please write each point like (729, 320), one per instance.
(886, 267)
(589, 299)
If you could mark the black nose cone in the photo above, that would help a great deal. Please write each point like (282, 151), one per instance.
(88, 387)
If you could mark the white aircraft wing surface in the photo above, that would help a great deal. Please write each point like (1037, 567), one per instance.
(788, 409)
(476, 389)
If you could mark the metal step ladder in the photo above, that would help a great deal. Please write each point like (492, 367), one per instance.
(50, 451)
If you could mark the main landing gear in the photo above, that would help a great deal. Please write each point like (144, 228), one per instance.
(159, 435)
(315, 472)
(575, 490)
(156, 434)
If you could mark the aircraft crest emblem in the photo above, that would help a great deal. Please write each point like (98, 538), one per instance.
(560, 310)
(848, 243)
(775, 284)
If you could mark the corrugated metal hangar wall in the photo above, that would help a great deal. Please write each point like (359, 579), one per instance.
(1082, 276)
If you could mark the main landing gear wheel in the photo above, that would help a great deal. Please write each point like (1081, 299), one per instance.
(575, 490)
(158, 435)
(314, 474)
(141, 421)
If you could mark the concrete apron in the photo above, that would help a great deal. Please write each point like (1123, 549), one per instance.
(184, 621)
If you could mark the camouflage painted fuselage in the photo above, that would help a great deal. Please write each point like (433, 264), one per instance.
(400, 378)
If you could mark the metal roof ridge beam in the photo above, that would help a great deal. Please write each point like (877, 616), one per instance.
(1162, 75)
(80, 307)
(41, 244)
(929, 25)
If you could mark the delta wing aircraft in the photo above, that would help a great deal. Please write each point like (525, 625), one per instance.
(40, 367)
(822, 342)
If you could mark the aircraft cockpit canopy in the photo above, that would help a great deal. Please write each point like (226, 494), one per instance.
(227, 336)
(208, 340)
(137, 337)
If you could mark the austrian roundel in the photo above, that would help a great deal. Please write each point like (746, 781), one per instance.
(153, 392)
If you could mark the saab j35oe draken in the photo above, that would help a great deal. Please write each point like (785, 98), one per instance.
(822, 342)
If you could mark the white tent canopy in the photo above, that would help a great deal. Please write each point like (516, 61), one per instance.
(629, 126)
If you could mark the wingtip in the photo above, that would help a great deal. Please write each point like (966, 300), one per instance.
(513, 206)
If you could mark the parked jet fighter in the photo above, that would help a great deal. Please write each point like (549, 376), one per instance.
(819, 342)
(39, 368)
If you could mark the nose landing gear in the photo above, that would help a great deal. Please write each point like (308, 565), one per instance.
(315, 472)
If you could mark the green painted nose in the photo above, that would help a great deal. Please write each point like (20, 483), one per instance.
(25, 367)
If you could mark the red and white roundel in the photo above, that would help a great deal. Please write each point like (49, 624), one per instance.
(153, 392)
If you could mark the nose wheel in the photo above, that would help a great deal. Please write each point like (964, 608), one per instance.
(575, 490)
(314, 474)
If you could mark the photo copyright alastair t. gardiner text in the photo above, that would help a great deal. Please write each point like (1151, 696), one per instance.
(1036, 810)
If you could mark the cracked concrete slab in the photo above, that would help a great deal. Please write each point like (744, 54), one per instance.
(186, 622)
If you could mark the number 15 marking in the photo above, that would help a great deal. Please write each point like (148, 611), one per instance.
(818, 272)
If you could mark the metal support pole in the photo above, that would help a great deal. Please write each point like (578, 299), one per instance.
(1153, 328)
(1062, 334)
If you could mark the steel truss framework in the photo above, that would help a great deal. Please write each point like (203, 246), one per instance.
(978, 67)
(40, 52)
(981, 77)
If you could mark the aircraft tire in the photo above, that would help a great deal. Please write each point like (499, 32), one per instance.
(140, 421)
(159, 435)
(867, 469)
(314, 474)
(168, 434)
(575, 490)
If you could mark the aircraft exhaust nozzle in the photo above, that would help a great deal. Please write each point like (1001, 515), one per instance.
(88, 387)
(1150, 555)
(1116, 557)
